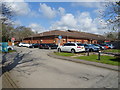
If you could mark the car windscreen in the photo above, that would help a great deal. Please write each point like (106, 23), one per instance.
(102, 44)
(95, 44)
(36, 44)
(49, 44)
(79, 44)
(90, 45)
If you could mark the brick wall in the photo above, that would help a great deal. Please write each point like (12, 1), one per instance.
(56, 40)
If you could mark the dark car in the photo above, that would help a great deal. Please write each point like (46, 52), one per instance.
(50, 46)
(41, 46)
(36, 45)
(91, 47)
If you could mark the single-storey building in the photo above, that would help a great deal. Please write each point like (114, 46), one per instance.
(58, 36)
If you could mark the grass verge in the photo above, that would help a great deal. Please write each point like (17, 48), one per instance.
(64, 54)
(112, 50)
(103, 59)
(8, 51)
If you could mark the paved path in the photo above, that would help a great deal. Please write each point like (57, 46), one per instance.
(32, 68)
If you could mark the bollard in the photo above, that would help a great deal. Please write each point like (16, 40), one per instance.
(88, 52)
(99, 55)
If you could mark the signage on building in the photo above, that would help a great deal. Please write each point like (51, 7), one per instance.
(60, 37)
(13, 39)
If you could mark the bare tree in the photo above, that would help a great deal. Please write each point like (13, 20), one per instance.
(112, 13)
(23, 32)
(111, 35)
(6, 16)
(6, 13)
(112, 16)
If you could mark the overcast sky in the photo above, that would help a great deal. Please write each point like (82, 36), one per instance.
(44, 16)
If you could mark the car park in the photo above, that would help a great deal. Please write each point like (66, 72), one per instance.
(91, 47)
(71, 47)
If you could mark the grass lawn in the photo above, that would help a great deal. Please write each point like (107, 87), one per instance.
(112, 50)
(104, 59)
(8, 51)
(64, 54)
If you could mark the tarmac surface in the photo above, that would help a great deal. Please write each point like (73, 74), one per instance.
(33, 68)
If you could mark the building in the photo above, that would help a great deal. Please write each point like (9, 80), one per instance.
(67, 36)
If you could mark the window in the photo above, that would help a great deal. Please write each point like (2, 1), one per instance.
(71, 44)
(66, 44)
(80, 44)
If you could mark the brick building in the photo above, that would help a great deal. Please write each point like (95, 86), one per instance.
(67, 36)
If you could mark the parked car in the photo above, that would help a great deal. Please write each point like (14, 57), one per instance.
(71, 47)
(36, 45)
(110, 46)
(50, 46)
(10, 48)
(24, 45)
(104, 45)
(101, 47)
(91, 47)
(41, 46)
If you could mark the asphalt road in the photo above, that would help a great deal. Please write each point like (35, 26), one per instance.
(32, 68)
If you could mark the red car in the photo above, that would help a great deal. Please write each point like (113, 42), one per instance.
(104, 45)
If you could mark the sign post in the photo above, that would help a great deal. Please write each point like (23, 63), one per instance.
(59, 41)
(12, 40)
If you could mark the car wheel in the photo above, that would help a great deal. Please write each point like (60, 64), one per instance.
(59, 50)
(91, 50)
(72, 51)
(9, 49)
